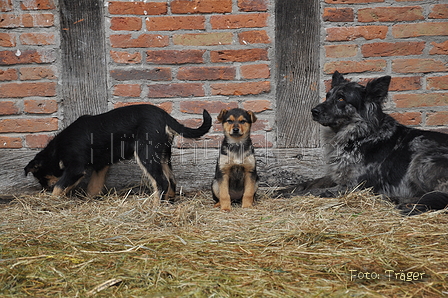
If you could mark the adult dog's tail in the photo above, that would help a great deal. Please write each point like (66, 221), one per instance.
(191, 133)
(435, 200)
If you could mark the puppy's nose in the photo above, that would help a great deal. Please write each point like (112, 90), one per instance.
(236, 129)
(315, 112)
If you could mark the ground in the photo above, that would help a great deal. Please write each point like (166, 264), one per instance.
(126, 245)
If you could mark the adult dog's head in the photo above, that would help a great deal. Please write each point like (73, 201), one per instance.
(348, 103)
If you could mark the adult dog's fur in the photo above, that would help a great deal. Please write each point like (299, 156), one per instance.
(368, 147)
(144, 131)
(236, 178)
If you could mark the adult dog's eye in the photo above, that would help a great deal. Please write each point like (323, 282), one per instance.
(341, 99)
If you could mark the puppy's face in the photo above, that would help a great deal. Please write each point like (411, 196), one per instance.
(46, 174)
(236, 123)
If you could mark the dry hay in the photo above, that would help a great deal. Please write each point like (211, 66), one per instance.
(134, 246)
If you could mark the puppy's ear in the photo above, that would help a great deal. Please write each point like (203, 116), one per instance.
(33, 166)
(376, 90)
(337, 79)
(252, 116)
(222, 115)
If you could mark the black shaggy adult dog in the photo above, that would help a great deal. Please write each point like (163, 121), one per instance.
(144, 131)
(367, 147)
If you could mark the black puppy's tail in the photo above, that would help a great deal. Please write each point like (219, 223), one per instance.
(435, 200)
(191, 133)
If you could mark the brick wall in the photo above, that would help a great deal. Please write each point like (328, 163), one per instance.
(28, 73)
(405, 39)
(188, 55)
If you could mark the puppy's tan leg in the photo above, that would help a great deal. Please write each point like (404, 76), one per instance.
(250, 187)
(96, 182)
(59, 191)
(224, 196)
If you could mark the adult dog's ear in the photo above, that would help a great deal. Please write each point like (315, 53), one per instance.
(376, 90)
(33, 166)
(337, 79)
(222, 115)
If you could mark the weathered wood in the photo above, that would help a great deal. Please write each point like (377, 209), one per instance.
(297, 47)
(83, 55)
(193, 168)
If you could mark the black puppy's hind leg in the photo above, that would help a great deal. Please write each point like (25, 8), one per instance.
(152, 169)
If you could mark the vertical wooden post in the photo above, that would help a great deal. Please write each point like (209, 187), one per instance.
(297, 49)
(83, 55)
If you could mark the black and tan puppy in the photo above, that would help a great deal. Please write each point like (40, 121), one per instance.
(236, 179)
(144, 131)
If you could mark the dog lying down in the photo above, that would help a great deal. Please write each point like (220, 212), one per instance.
(144, 131)
(365, 146)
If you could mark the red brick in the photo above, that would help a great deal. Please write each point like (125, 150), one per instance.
(257, 105)
(7, 39)
(355, 66)
(332, 14)
(405, 83)
(137, 8)
(37, 39)
(8, 75)
(197, 106)
(142, 41)
(383, 49)
(418, 65)
(352, 33)
(10, 142)
(255, 71)
(203, 39)
(27, 57)
(28, 125)
(341, 50)
(154, 74)
(170, 23)
(6, 5)
(37, 73)
(26, 20)
(206, 73)
(175, 56)
(176, 90)
(390, 14)
(437, 83)
(439, 48)
(125, 23)
(439, 11)
(127, 90)
(201, 6)
(37, 140)
(255, 20)
(37, 4)
(420, 100)
(27, 89)
(166, 106)
(409, 118)
(251, 37)
(351, 1)
(437, 118)
(252, 5)
(41, 106)
(245, 88)
(8, 108)
(239, 55)
(126, 57)
(419, 29)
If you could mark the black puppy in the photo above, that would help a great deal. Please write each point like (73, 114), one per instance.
(144, 131)
(236, 178)
(366, 146)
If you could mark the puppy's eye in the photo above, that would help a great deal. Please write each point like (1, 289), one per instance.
(230, 121)
(243, 121)
(341, 99)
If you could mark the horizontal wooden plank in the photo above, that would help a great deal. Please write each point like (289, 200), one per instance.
(193, 168)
